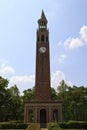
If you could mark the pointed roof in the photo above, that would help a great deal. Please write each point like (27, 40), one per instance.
(42, 18)
(43, 15)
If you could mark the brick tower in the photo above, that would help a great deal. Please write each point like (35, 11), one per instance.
(42, 109)
(42, 85)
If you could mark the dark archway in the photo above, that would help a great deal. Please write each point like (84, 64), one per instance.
(31, 116)
(43, 116)
(55, 115)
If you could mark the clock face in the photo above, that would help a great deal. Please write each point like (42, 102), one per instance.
(42, 49)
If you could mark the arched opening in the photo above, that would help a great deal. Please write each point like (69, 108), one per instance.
(42, 38)
(38, 39)
(46, 38)
(43, 116)
(31, 116)
(55, 115)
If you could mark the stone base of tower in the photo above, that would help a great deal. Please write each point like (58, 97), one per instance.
(42, 111)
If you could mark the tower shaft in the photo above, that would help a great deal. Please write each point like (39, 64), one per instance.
(42, 83)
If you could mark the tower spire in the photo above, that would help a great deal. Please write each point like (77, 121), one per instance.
(43, 17)
(42, 21)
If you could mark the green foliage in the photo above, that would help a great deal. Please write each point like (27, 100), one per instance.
(53, 94)
(73, 125)
(29, 94)
(13, 125)
(11, 103)
(74, 102)
(33, 126)
(63, 125)
(16, 104)
(4, 97)
(62, 87)
(53, 126)
(14, 91)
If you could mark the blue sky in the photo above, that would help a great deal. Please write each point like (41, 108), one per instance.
(67, 23)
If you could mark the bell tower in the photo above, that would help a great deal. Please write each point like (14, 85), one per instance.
(42, 109)
(42, 83)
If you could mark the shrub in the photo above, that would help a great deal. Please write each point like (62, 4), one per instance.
(21, 125)
(53, 126)
(13, 125)
(73, 125)
(63, 125)
(33, 126)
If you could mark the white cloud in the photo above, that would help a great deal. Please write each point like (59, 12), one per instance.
(83, 33)
(6, 70)
(22, 79)
(77, 42)
(23, 82)
(56, 78)
(62, 58)
(73, 43)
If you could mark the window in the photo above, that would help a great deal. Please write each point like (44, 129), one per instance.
(42, 38)
(38, 39)
(46, 38)
(42, 26)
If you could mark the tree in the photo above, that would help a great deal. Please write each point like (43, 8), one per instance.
(62, 87)
(53, 94)
(4, 98)
(16, 103)
(14, 90)
(29, 94)
(74, 103)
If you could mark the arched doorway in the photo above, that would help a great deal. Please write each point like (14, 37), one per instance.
(43, 116)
